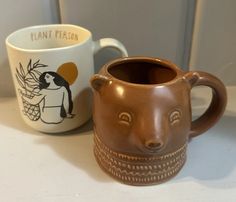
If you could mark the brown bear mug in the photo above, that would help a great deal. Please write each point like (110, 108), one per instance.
(142, 117)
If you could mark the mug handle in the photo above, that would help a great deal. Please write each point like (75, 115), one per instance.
(109, 43)
(217, 105)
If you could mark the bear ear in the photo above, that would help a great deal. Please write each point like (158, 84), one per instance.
(97, 81)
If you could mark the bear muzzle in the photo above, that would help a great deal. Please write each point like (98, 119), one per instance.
(154, 144)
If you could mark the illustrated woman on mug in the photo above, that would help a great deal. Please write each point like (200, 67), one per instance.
(51, 86)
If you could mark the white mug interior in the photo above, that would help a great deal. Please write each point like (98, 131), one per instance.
(44, 37)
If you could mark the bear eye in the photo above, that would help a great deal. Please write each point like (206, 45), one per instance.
(125, 117)
(175, 116)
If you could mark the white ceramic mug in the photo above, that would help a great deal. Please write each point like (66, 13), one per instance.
(51, 66)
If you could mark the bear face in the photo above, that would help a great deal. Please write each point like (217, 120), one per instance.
(141, 119)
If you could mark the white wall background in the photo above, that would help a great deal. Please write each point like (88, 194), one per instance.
(214, 39)
(159, 28)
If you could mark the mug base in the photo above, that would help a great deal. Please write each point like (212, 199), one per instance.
(48, 129)
(139, 170)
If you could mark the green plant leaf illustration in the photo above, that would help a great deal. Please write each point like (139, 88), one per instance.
(37, 72)
(31, 85)
(29, 66)
(21, 77)
(38, 65)
(22, 70)
(20, 82)
(32, 74)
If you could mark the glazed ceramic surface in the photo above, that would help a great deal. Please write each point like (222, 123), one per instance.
(142, 117)
(51, 66)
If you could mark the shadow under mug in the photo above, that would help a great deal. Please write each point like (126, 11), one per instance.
(51, 66)
(142, 117)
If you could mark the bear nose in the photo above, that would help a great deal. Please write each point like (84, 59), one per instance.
(154, 144)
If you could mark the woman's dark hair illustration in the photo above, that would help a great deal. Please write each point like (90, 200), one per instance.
(59, 81)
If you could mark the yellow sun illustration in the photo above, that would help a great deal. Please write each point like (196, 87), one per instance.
(68, 71)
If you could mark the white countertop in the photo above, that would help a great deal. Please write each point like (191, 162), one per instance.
(61, 168)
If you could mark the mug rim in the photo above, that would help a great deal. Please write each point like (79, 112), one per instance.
(154, 60)
(13, 34)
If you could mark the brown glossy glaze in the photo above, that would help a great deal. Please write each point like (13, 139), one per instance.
(142, 117)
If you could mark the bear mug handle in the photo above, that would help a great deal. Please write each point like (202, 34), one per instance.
(217, 105)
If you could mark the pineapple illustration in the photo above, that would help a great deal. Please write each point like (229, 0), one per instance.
(29, 82)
